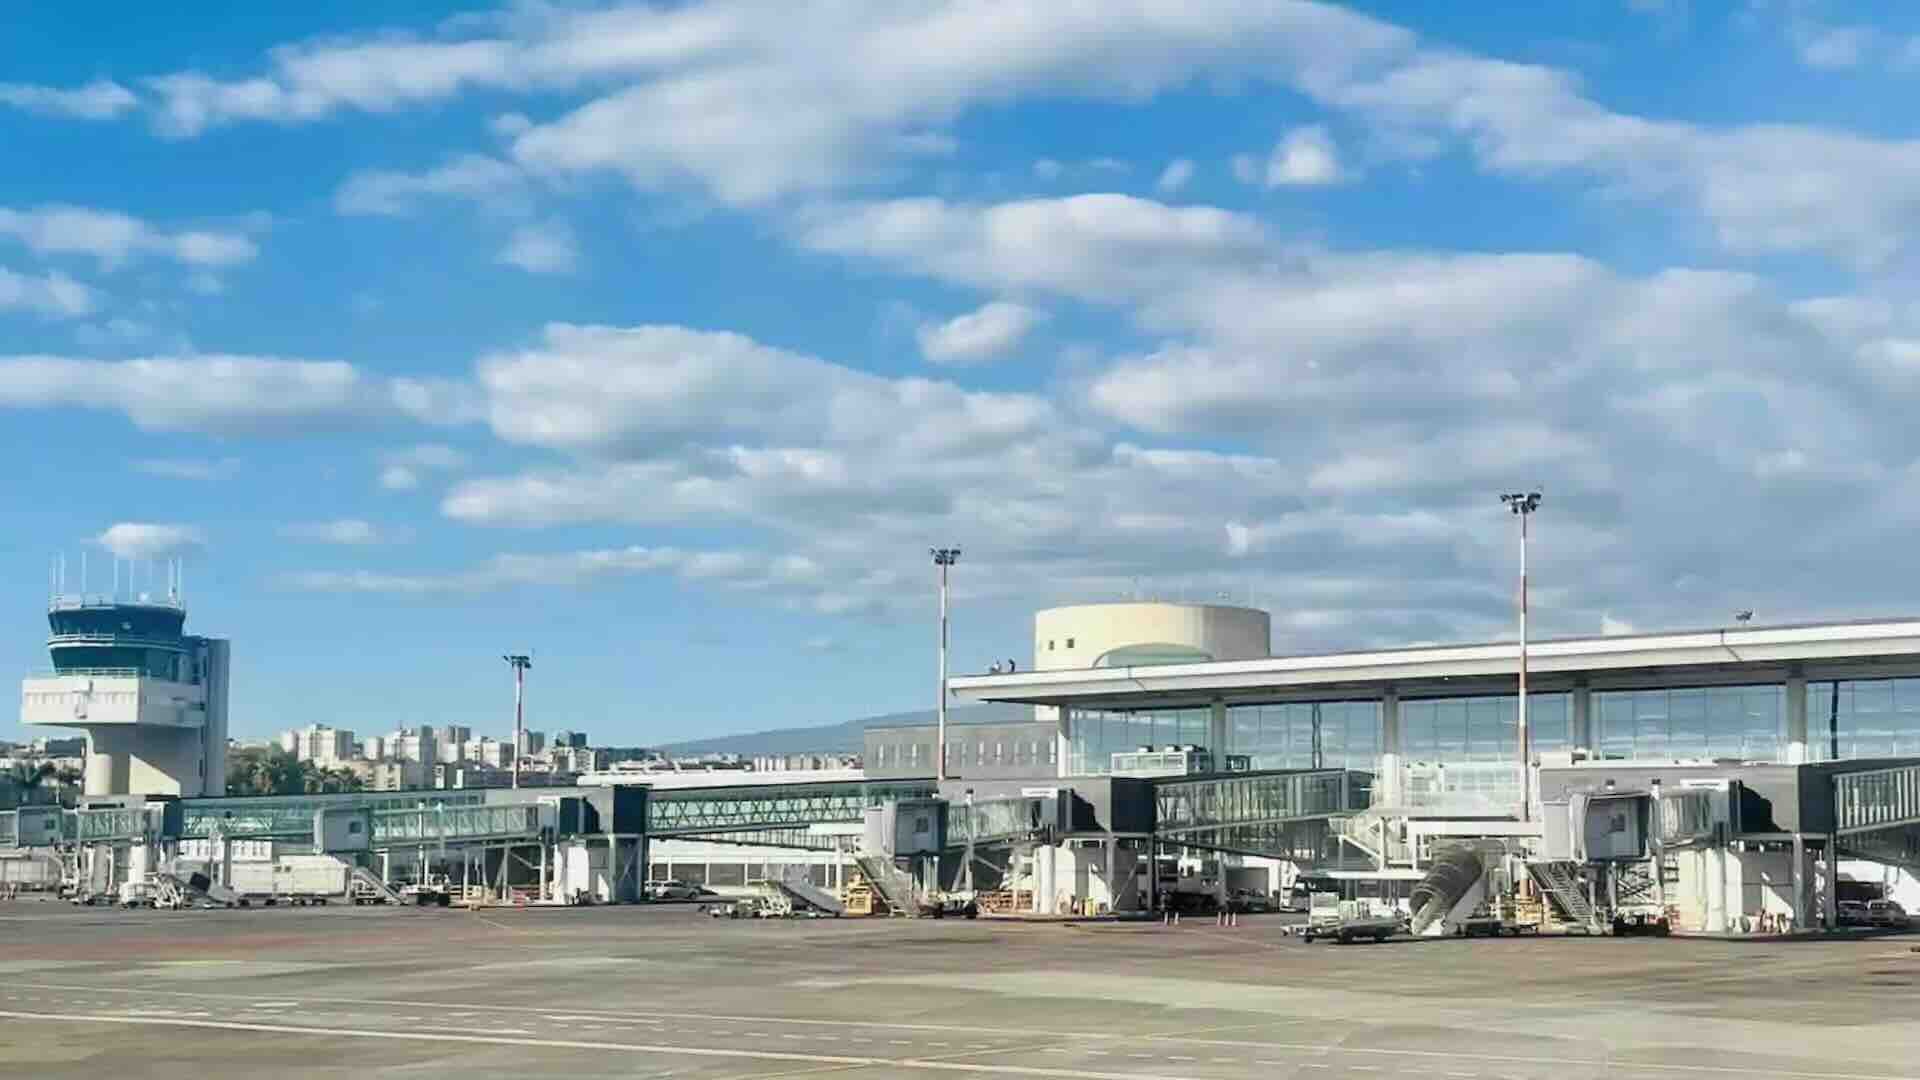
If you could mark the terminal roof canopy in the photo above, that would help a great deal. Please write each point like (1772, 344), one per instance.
(1873, 648)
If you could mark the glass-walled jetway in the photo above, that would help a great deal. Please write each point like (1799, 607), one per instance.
(1844, 719)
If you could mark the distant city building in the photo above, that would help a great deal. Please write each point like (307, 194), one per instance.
(50, 747)
(319, 744)
(569, 739)
(416, 744)
(496, 753)
(577, 759)
(456, 733)
(531, 743)
(373, 748)
(390, 775)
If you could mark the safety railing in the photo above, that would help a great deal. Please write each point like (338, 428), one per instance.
(1876, 798)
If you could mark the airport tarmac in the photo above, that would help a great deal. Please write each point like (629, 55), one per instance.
(665, 991)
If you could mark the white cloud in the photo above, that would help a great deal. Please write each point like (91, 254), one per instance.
(1833, 48)
(1175, 176)
(187, 468)
(113, 237)
(401, 469)
(473, 177)
(546, 247)
(351, 532)
(1612, 626)
(1304, 157)
(1048, 169)
(986, 334)
(101, 99)
(794, 579)
(748, 109)
(399, 478)
(148, 540)
(220, 394)
(426, 456)
(52, 294)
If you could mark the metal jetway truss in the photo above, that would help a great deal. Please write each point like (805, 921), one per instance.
(1285, 814)
(691, 812)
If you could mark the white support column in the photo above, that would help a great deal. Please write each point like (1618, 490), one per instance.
(1218, 736)
(1581, 736)
(1800, 905)
(1063, 739)
(1797, 719)
(1386, 790)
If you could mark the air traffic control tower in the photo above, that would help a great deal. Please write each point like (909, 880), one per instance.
(151, 699)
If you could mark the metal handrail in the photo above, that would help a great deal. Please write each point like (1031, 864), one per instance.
(165, 641)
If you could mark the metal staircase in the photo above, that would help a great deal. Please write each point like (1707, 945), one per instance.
(894, 886)
(1560, 882)
(371, 880)
(796, 883)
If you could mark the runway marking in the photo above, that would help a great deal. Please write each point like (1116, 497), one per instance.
(1238, 1044)
(931, 1064)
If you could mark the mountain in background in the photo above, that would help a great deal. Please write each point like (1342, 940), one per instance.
(846, 738)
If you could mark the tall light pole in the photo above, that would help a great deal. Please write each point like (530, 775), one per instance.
(944, 558)
(1523, 504)
(521, 662)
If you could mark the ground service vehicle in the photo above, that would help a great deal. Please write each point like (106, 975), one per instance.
(1347, 921)
(1886, 913)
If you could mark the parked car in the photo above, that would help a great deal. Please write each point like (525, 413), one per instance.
(672, 890)
(1886, 913)
(1852, 913)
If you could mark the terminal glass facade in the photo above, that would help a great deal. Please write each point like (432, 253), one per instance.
(1281, 736)
(1862, 718)
(1744, 722)
(1465, 729)
(1097, 735)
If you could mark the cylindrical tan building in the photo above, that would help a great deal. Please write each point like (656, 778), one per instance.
(1138, 633)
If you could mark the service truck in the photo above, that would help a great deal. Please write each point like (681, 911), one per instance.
(1346, 921)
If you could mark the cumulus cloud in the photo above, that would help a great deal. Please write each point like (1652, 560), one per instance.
(114, 238)
(52, 294)
(985, 334)
(747, 109)
(795, 580)
(223, 394)
(401, 470)
(149, 540)
(473, 177)
(546, 247)
(187, 468)
(352, 532)
(101, 99)
(1175, 176)
(1304, 157)
(1424, 381)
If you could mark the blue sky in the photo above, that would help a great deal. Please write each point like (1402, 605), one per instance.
(664, 340)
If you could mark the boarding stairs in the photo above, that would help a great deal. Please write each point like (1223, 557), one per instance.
(1375, 835)
(364, 878)
(1561, 884)
(795, 883)
(893, 885)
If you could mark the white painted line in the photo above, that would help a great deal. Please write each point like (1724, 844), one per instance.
(933, 1064)
(1321, 1049)
(1180, 1057)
